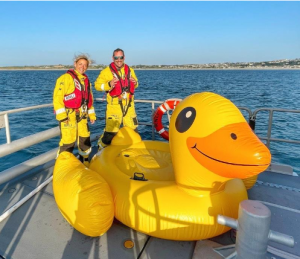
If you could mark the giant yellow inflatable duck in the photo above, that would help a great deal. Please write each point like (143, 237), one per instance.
(175, 191)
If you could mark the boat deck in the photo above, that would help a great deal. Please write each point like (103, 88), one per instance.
(38, 230)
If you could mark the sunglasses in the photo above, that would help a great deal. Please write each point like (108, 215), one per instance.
(118, 57)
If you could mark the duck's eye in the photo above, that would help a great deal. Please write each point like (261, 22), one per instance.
(233, 136)
(185, 119)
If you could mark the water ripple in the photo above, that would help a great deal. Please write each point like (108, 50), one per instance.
(248, 88)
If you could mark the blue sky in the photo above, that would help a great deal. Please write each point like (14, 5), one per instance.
(41, 33)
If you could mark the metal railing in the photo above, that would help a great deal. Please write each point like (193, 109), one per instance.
(4, 117)
(20, 144)
(16, 145)
(270, 123)
(48, 134)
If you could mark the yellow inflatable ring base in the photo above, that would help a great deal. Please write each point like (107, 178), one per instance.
(158, 206)
(211, 149)
(82, 196)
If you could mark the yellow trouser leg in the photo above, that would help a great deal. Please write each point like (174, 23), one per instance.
(84, 141)
(68, 132)
(113, 122)
(130, 119)
(114, 119)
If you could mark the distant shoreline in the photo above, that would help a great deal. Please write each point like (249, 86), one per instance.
(161, 69)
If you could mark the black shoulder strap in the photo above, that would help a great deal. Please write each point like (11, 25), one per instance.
(129, 72)
(88, 88)
(73, 74)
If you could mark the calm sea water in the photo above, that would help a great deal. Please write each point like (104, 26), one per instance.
(249, 88)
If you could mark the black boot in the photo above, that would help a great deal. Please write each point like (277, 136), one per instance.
(84, 160)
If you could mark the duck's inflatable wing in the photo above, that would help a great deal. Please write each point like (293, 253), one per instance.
(82, 196)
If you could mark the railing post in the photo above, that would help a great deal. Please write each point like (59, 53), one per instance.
(253, 231)
(153, 132)
(7, 130)
(252, 122)
(269, 128)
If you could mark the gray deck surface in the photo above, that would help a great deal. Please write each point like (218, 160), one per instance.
(277, 189)
(37, 229)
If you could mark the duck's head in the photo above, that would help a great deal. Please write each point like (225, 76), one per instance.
(211, 142)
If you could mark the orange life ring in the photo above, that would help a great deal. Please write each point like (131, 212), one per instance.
(168, 105)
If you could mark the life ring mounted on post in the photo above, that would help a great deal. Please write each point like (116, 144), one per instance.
(168, 105)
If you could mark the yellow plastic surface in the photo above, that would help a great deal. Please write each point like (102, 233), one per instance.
(82, 196)
(219, 143)
(190, 181)
(249, 182)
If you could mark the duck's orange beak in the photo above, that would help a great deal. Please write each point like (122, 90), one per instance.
(233, 151)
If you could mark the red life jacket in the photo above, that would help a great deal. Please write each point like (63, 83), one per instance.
(81, 95)
(123, 85)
